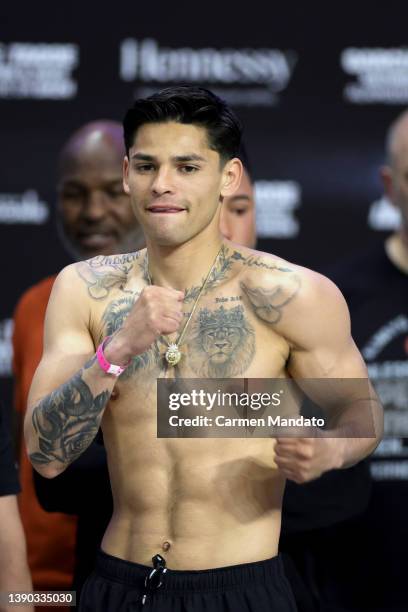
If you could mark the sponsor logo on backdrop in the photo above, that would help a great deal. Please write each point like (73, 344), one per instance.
(276, 203)
(383, 216)
(390, 379)
(381, 75)
(383, 336)
(389, 470)
(38, 70)
(6, 351)
(23, 208)
(246, 77)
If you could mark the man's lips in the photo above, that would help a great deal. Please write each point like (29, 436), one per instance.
(165, 209)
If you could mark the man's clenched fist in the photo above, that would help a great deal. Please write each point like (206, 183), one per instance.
(157, 311)
(304, 459)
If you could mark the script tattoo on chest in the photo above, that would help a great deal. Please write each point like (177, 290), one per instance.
(222, 343)
(113, 319)
(101, 274)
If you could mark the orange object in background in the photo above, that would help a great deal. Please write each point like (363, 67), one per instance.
(51, 536)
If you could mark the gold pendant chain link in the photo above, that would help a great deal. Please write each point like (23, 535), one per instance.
(173, 354)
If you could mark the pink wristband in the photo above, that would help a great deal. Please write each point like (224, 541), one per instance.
(109, 368)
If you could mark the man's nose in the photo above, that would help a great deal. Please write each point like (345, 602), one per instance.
(225, 226)
(163, 182)
(94, 205)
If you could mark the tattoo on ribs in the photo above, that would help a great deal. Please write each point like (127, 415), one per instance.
(102, 273)
(67, 420)
(222, 344)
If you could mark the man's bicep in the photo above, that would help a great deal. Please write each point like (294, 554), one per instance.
(322, 343)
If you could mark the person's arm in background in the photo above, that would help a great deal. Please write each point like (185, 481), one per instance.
(14, 571)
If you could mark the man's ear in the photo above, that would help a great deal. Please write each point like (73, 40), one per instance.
(126, 175)
(231, 177)
(387, 181)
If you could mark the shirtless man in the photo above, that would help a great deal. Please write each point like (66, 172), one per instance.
(204, 504)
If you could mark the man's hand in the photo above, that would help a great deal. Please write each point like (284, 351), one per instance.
(304, 459)
(157, 311)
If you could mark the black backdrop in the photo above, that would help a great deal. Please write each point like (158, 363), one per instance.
(315, 88)
(314, 141)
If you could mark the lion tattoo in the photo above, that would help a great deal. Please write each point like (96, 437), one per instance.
(222, 343)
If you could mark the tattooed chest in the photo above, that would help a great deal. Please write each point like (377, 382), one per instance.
(221, 340)
(111, 319)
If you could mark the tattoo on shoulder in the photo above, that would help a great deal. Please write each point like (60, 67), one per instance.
(253, 261)
(226, 259)
(268, 304)
(222, 344)
(102, 273)
(67, 420)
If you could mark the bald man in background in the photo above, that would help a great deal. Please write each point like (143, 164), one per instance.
(375, 285)
(394, 175)
(94, 218)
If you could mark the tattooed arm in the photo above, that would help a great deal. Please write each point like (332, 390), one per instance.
(69, 391)
(311, 314)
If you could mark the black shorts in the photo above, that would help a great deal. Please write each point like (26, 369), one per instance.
(118, 586)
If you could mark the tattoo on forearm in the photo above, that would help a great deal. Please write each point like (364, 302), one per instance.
(269, 303)
(222, 344)
(67, 420)
(103, 273)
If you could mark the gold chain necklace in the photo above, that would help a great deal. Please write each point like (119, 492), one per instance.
(173, 353)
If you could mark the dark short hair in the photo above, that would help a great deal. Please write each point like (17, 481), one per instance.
(191, 105)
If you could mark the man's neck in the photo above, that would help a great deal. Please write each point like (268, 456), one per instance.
(396, 247)
(182, 266)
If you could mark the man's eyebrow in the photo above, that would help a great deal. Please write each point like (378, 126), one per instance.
(239, 196)
(143, 157)
(70, 182)
(189, 157)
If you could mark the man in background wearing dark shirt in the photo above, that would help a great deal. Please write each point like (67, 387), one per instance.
(375, 285)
